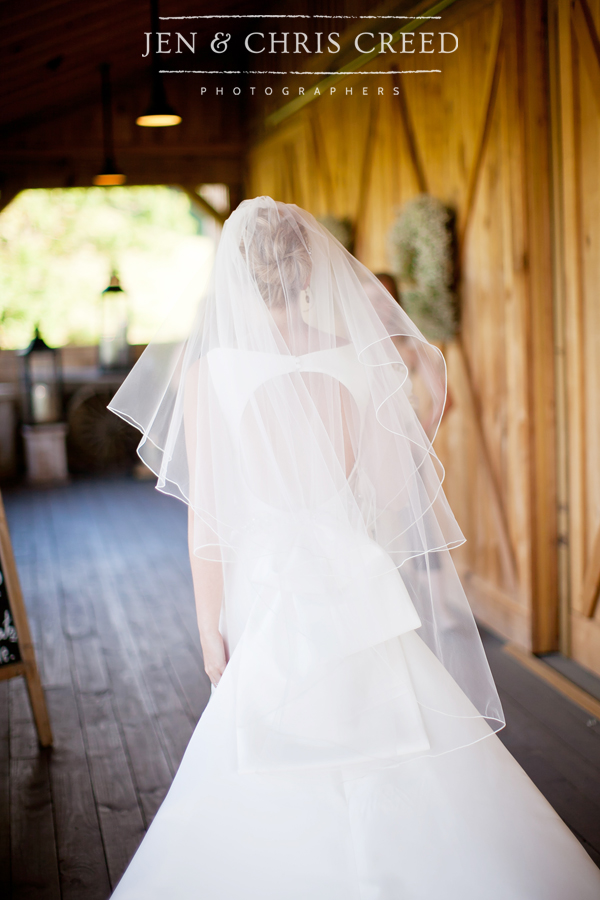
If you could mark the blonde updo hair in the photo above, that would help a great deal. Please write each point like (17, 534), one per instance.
(277, 254)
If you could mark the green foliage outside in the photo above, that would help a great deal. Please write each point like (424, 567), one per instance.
(58, 247)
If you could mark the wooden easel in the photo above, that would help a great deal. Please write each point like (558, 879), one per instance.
(27, 664)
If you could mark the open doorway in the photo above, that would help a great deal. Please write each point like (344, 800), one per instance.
(59, 251)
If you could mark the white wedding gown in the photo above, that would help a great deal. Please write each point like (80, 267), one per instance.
(255, 814)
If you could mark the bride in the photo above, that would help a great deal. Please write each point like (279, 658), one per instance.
(348, 751)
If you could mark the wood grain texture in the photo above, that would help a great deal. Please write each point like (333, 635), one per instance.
(558, 681)
(5, 866)
(366, 173)
(540, 342)
(490, 87)
(409, 133)
(34, 855)
(571, 215)
(81, 858)
(576, 147)
(478, 139)
(589, 44)
(472, 404)
(127, 709)
(591, 581)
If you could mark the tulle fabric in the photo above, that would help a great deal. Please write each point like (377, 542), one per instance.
(288, 423)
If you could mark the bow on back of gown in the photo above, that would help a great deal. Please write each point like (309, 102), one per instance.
(317, 682)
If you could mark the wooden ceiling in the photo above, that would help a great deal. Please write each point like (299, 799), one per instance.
(50, 50)
(50, 110)
(50, 113)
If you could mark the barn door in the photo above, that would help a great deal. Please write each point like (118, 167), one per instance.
(574, 28)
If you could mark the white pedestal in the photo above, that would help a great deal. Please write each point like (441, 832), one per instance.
(46, 453)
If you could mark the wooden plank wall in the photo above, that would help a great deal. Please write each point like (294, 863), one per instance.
(574, 28)
(477, 137)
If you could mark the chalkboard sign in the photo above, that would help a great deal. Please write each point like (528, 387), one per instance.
(17, 656)
(9, 642)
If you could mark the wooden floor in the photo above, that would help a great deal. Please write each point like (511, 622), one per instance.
(106, 580)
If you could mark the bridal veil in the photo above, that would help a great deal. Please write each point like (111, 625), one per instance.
(288, 423)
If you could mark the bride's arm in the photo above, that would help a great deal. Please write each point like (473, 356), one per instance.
(207, 574)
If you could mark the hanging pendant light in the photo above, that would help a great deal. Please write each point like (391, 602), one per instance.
(110, 173)
(160, 113)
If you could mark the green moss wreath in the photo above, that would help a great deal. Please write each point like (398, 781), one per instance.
(421, 250)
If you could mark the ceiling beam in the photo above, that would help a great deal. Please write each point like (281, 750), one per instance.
(197, 200)
(229, 150)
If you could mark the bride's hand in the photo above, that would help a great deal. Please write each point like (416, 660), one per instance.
(213, 653)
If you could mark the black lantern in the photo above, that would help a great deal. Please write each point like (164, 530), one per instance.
(113, 351)
(42, 382)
